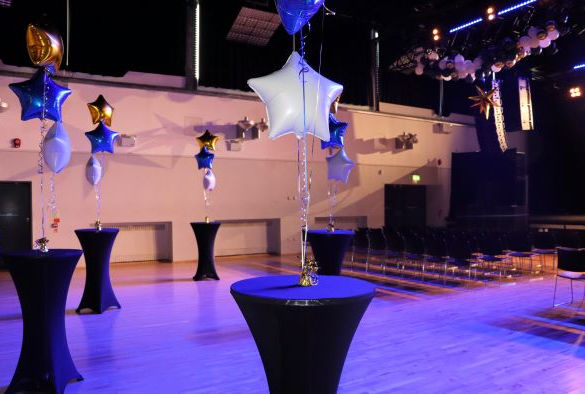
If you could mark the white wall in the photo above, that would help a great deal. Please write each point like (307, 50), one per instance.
(158, 181)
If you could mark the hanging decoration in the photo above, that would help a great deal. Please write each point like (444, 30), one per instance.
(336, 133)
(102, 140)
(499, 115)
(484, 101)
(207, 143)
(41, 98)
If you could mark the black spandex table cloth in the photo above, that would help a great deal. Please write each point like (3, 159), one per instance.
(42, 282)
(205, 235)
(329, 249)
(302, 333)
(98, 294)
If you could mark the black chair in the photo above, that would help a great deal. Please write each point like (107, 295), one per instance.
(571, 262)
(361, 246)
(491, 247)
(414, 250)
(378, 246)
(519, 247)
(461, 254)
(436, 252)
(544, 245)
(395, 246)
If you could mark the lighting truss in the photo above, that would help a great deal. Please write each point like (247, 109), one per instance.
(500, 13)
(579, 66)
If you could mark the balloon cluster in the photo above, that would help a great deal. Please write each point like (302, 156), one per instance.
(207, 143)
(41, 98)
(505, 54)
(338, 164)
(101, 138)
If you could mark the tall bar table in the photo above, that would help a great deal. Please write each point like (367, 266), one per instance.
(98, 294)
(329, 249)
(303, 333)
(42, 281)
(205, 235)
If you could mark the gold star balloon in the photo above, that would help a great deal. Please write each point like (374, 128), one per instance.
(45, 49)
(100, 109)
(207, 140)
(484, 100)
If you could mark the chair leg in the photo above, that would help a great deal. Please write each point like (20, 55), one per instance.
(555, 292)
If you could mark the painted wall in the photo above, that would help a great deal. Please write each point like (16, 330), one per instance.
(157, 180)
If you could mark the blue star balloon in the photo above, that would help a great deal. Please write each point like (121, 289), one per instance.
(339, 166)
(336, 133)
(30, 93)
(204, 158)
(294, 14)
(102, 138)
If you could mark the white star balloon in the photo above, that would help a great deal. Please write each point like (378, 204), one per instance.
(282, 93)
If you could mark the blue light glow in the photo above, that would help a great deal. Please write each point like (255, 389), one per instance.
(473, 22)
(501, 12)
(515, 7)
(579, 66)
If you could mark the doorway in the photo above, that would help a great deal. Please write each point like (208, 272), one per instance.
(405, 206)
(15, 216)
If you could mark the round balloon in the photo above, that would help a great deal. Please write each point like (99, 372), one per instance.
(93, 170)
(208, 180)
(294, 14)
(57, 148)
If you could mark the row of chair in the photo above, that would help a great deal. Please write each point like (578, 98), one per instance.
(483, 254)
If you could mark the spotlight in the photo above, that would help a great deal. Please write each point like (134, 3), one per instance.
(435, 31)
(491, 13)
(436, 37)
(436, 34)
(575, 92)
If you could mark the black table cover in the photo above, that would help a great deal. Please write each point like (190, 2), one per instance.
(42, 282)
(329, 249)
(302, 333)
(205, 235)
(98, 294)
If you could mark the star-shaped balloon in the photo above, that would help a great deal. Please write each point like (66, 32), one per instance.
(100, 109)
(204, 158)
(339, 166)
(207, 140)
(102, 139)
(484, 100)
(282, 93)
(336, 133)
(31, 92)
(45, 49)
(294, 14)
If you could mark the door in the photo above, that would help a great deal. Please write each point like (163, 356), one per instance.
(15, 216)
(405, 206)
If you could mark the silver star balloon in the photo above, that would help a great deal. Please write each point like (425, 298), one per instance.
(339, 166)
(282, 93)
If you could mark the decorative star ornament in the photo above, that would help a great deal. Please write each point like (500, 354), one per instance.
(204, 158)
(100, 110)
(207, 140)
(282, 93)
(102, 138)
(31, 92)
(336, 133)
(339, 166)
(484, 100)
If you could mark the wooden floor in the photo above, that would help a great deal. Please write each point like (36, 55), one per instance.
(174, 335)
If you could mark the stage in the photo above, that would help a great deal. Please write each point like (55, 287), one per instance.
(174, 335)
